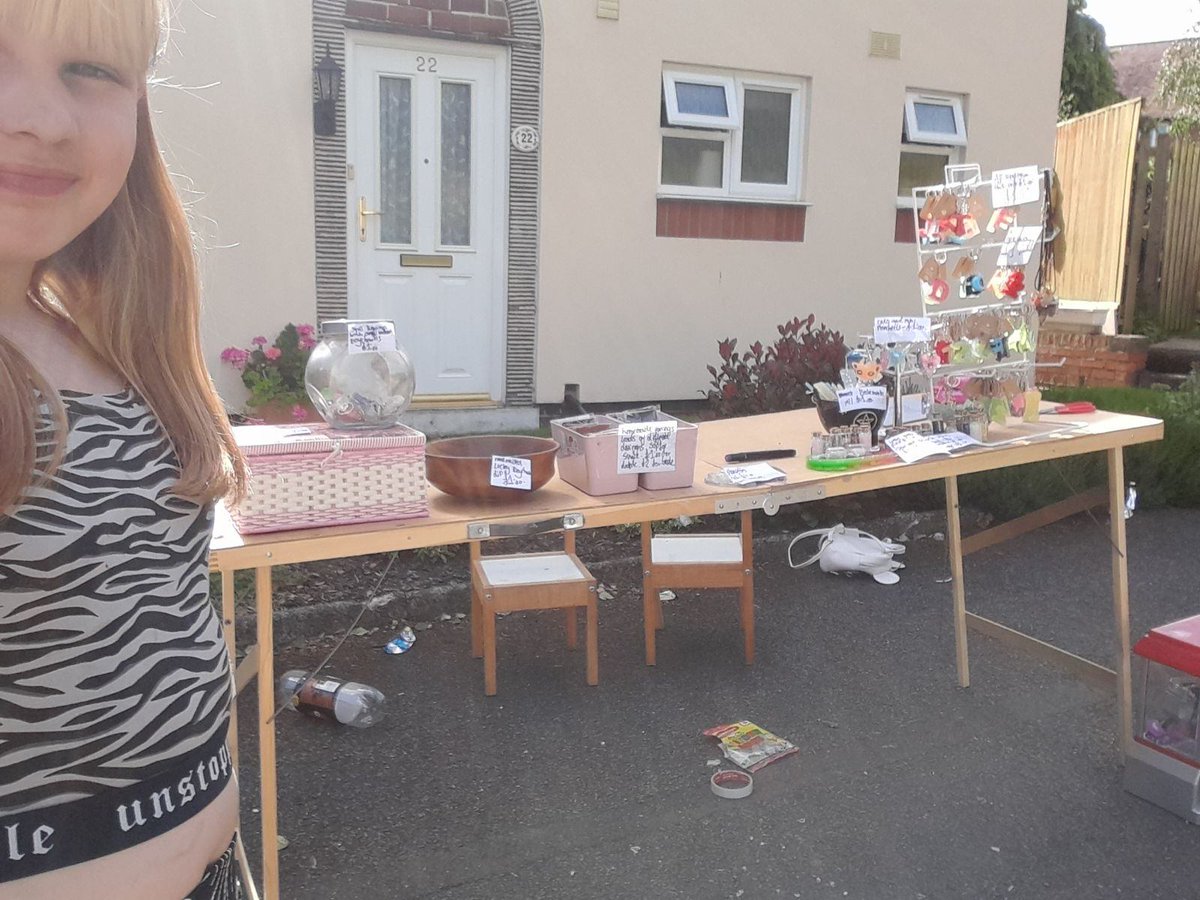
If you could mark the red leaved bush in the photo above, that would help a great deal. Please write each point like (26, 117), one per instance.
(772, 379)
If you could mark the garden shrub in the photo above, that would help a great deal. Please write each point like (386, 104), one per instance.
(773, 379)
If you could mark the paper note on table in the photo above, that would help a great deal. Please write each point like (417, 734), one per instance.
(910, 446)
(512, 472)
(1018, 246)
(370, 337)
(646, 447)
(1012, 187)
(862, 396)
(754, 473)
(901, 329)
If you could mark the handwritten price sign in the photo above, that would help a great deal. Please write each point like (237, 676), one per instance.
(1012, 187)
(512, 472)
(370, 337)
(646, 447)
(901, 329)
(862, 396)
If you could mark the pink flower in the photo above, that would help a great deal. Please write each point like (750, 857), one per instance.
(259, 341)
(272, 353)
(235, 356)
(299, 413)
(307, 343)
(305, 331)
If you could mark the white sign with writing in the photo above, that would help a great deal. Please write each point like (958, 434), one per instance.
(910, 446)
(862, 396)
(754, 473)
(897, 329)
(370, 337)
(646, 447)
(1018, 246)
(512, 472)
(1012, 187)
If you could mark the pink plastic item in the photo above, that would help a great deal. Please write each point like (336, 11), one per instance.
(587, 455)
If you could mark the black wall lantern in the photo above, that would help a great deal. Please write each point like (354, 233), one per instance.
(329, 85)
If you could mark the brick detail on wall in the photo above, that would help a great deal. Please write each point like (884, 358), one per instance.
(461, 18)
(906, 227)
(723, 220)
(1092, 360)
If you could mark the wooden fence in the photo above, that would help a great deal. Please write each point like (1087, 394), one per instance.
(1128, 203)
(1163, 279)
(1093, 163)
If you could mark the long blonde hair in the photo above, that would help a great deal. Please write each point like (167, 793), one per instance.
(129, 281)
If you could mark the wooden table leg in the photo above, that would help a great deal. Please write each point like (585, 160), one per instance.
(266, 734)
(954, 547)
(1120, 578)
(228, 617)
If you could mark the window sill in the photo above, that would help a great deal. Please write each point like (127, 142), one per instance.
(708, 198)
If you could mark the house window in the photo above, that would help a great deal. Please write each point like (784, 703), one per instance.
(730, 135)
(933, 136)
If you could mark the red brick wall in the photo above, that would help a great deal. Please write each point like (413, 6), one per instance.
(461, 18)
(723, 220)
(1094, 360)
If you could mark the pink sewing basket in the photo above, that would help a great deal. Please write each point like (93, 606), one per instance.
(303, 476)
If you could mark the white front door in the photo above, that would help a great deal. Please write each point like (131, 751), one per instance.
(425, 139)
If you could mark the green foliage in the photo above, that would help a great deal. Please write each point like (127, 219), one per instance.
(442, 553)
(774, 379)
(275, 373)
(1179, 83)
(1087, 81)
(1167, 472)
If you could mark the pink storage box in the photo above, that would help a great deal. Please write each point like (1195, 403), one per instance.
(303, 476)
(685, 449)
(587, 455)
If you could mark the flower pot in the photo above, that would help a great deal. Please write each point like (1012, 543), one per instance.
(284, 412)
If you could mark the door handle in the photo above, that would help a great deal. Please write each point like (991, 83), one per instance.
(363, 212)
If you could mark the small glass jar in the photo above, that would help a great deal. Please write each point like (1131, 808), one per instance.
(352, 387)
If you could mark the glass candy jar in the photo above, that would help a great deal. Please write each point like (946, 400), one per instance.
(358, 376)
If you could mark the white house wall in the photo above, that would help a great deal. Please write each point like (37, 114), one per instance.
(631, 316)
(236, 123)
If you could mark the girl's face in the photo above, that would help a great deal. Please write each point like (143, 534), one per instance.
(68, 125)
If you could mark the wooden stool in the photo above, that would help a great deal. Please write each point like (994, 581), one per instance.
(697, 561)
(524, 581)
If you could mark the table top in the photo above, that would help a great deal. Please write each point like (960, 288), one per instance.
(1054, 437)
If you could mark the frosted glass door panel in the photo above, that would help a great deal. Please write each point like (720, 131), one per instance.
(395, 160)
(456, 164)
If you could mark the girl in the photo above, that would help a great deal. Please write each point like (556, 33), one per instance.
(115, 778)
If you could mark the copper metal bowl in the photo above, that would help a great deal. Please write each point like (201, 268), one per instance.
(462, 467)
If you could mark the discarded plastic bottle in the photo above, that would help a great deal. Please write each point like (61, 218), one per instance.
(1131, 499)
(324, 697)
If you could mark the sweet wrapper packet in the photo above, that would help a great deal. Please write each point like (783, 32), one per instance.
(750, 747)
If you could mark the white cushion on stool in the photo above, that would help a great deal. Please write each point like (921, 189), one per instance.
(502, 571)
(682, 549)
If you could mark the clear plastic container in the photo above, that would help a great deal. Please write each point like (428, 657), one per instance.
(323, 697)
(353, 387)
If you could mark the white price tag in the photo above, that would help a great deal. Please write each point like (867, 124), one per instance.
(862, 396)
(754, 473)
(370, 337)
(1012, 187)
(512, 472)
(898, 329)
(646, 446)
(1018, 246)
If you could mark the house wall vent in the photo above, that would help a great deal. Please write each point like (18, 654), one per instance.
(608, 9)
(884, 45)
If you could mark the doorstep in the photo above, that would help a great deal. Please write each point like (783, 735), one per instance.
(437, 417)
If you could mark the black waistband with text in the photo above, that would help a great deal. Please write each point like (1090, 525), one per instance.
(42, 840)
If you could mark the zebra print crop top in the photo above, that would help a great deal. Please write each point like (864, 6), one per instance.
(112, 662)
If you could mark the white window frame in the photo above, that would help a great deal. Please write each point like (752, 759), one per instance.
(692, 134)
(953, 154)
(732, 187)
(671, 77)
(915, 135)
